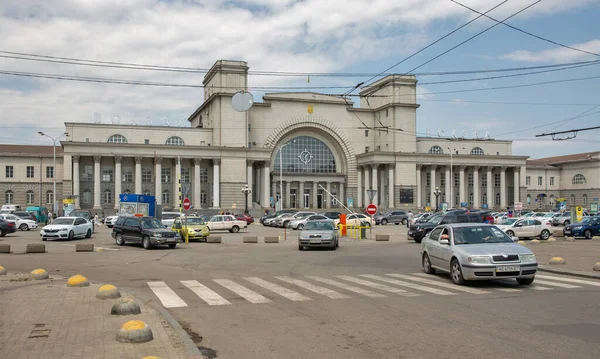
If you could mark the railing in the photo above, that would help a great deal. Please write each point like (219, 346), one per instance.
(353, 231)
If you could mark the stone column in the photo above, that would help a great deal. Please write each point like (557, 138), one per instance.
(367, 171)
(249, 178)
(196, 190)
(314, 194)
(490, 188)
(97, 203)
(391, 187)
(516, 184)
(138, 175)
(375, 182)
(447, 189)
(288, 194)
(432, 187)
(360, 191)
(300, 200)
(326, 196)
(217, 183)
(461, 186)
(503, 188)
(476, 201)
(76, 178)
(341, 194)
(265, 184)
(118, 180)
(419, 199)
(176, 179)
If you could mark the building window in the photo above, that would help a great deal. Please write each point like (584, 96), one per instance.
(127, 175)
(528, 180)
(387, 112)
(551, 181)
(49, 172)
(572, 200)
(30, 171)
(437, 150)
(540, 181)
(88, 173)
(578, 179)
(146, 141)
(366, 133)
(428, 179)
(470, 179)
(528, 199)
(49, 197)
(497, 202)
(107, 196)
(306, 154)
(117, 139)
(443, 180)
(87, 196)
(477, 151)
(178, 141)
(165, 175)
(8, 197)
(456, 179)
(204, 175)
(203, 197)
(166, 197)
(30, 197)
(484, 180)
(107, 174)
(484, 199)
(9, 172)
(497, 179)
(185, 175)
(585, 200)
(147, 175)
(552, 200)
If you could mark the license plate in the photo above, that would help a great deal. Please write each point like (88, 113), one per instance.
(315, 241)
(508, 269)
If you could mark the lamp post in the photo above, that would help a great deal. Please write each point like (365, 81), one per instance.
(280, 202)
(54, 206)
(437, 194)
(451, 202)
(246, 191)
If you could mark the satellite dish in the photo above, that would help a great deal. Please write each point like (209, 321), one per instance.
(97, 117)
(242, 101)
(115, 119)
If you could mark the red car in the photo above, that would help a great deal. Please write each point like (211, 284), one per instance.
(243, 217)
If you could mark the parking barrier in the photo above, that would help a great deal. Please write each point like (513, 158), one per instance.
(597, 267)
(535, 241)
(213, 239)
(382, 237)
(4, 248)
(357, 232)
(250, 239)
(2, 270)
(84, 247)
(551, 240)
(134, 331)
(557, 261)
(39, 274)
(78, 281)
(594, 238)
(125, 306)
(108, 291)
(271, 239)
(35, 248)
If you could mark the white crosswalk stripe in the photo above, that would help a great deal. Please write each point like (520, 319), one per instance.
(570, 280)
(537, 287)
(314, 288)
(205, 293)
(408, 285)
(347, 287)
(555, 284)
(429, 276)
(439, 283)
(242, 291)
(282, 291)
(379, 286)
(166, 295)
(509, 290)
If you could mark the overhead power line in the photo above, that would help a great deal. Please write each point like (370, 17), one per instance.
(574, 132)
(581, 115)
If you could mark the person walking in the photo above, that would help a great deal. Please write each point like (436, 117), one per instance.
(49, 218)
(96, 219)
(409, 219)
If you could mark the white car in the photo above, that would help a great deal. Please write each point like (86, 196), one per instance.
(20, 223)
(357, 219)
(67, 228)
(301, 223)
(525, 228)
(226, 223)
(168, 218)
(110, 221)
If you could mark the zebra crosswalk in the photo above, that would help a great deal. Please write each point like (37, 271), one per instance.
(255, 290)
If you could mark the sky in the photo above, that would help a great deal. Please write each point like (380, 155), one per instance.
(355, 37)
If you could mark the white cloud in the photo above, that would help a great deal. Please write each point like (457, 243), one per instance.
(557, 55)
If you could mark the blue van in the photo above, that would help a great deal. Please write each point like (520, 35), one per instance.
(40, 213)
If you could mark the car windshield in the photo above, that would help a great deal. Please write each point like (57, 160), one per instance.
(67, 221)
(586, 219)
(192, 220)
(85, 215)
(434, 219)
(152, 223)
(319, 226)
(480, 235)
(508, 221)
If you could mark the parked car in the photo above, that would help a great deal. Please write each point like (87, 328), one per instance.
(421, 217)
(25, 215)
(418, 231)
(298, 218)
(587, 228)
(525, 228)
(9, 208)
(169, 217)
(7, 227)
(20, 223)
(320, 233)
(243, 217)
(563, 219)
(275, 214)
(282, 220)
(391, 216)
(194, 226)
(83, 213)
(225, 222)
(301, 223)
(475, 251)
(67, 228)
(148, 231)
(109, 221)
(333, 215)
(358, 219)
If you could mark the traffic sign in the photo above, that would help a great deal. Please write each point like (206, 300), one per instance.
(371, 209)
(518, 206)
(186, 203)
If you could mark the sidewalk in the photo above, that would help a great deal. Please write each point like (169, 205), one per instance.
(47, 319)
(580, 255)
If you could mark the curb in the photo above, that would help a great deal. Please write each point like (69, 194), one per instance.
(189, 345)
(570, 272)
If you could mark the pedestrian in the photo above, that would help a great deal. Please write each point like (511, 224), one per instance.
(49, 218)
(95, 219)
(409, 219)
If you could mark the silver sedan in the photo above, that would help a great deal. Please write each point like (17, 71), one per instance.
(474, 251)
(321, 233)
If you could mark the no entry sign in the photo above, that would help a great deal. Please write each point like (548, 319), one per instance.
(186, 203)
(371, 209)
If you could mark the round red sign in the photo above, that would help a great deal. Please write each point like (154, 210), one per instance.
(371, 209)
(186, 203)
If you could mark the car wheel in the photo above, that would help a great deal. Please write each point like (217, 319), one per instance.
(71, 235)
(119, 239)
(545, 234)
(525, 281)
(456, 272)
(587, 234)
(300, 226)
(337, 243)
(384, 222)
(2, 233)
(404, 221)
(300, 247)
(510, 233)
(23, 227)
(427, 264)
(235, 229)
(417, 240)
(88, 234)
(146, 242)
(172, 245)
(567, 222)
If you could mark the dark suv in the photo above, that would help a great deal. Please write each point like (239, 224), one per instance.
(392, 216)
(148, 231)
(420, 230)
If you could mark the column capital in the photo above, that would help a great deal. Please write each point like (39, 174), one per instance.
(419, 166)
(216, 162)
(97, 159)
(374, 166)
(76, 158)
(490, 168)
(118, 159)
(249, 162)
(462, 168)
(158, 160)
(503, 169)
(176, 161)
(138, 160)
(476, 168)
(433, 167)
(267, 163)
(197, 161)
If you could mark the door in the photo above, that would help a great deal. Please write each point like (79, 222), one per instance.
(306, 200)
(293, 198)
(129, 229)
(80, 228)
(320, 198)
(218, 222)
(432, 246)
(528, 228)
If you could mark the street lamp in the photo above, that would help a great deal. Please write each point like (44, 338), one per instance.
(54, 206)
(280, 202)
(246, 191)
(451, 179)
(437, 194)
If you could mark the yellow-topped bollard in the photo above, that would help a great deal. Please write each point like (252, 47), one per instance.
(108, 291)
(78, 281)
(2, 270)
(134, 331)
(39, 274)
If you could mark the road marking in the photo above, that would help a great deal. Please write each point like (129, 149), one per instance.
(429, 276)
(571, 280)
(242, 291)
(509, 290)
(440, 283)
(166, 295)
(314, 288)
(348, 287)
(102, 248)
(282, 291)
(560, 285)
(408, 285)
(536, 287)
(379, 286)
(205, 293)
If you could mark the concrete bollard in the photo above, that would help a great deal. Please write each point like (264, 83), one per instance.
(152, 357)
(125, 306)
(551, 240)
(271, 239)
(2, 270)
(250, 239)
(570, 239)
(594, 238)
(558, 233)
(213, 239)
(78, 281)
(134, 331)
(108, 291)
(35, 248)
(597, 267)
(523, 243)
(39, 274)
(535, 241)
(84, 247)
(4, 248)
(382, 237)
(557, 261)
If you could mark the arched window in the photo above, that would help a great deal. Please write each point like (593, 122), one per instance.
(305, 154)
(117, 139)
(49, 197)
(127, 191)
(578, 179)
(436, 150)
(175, 141)
(107, 198)
(572, 200)
(8, 197)
(585, 200)
(30, 197)
(477, 151)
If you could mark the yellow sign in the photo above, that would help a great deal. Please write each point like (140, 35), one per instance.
(579, 213)
(309, 109)
(427, 209)
(68, 201)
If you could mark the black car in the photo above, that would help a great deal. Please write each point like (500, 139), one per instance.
(7, 227)
(148, 231)
(420, 230)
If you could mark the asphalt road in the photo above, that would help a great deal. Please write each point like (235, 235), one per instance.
(273, 301)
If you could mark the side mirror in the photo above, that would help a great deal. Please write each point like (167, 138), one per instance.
(515, 239)
(445, 242)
